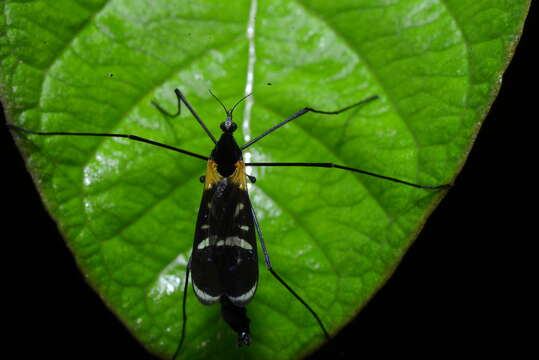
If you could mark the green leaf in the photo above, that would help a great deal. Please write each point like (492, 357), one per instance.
(127, 210)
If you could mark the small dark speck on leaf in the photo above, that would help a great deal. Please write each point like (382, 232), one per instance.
(269, 84)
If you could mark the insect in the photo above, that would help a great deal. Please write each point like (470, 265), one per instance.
(224, 263)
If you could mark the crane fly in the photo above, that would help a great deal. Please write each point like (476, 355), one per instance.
(223, 263)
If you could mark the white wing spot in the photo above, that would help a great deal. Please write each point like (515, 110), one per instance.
(203, 244)
(204, 296)
(236, 241)
(244, 227)
(245, 297)
(239, 207)
(205, 227)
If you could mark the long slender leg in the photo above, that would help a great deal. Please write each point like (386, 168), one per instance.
(331, 165)
(302, 112)
(127, 136)
(184, 312)
(181, 99)
(270, 269)
(166, 113)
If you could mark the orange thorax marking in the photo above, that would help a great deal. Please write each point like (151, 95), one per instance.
(237, 177)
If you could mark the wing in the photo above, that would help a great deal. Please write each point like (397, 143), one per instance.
(204, 267)
(240, 262)
(224, 259)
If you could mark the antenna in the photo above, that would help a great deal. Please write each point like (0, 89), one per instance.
(218, 100)
(239, 101)
(229, 112)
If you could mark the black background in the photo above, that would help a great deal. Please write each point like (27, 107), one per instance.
(453, 294)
